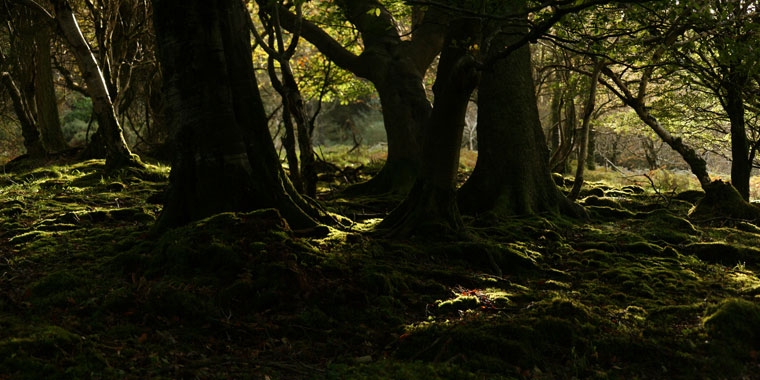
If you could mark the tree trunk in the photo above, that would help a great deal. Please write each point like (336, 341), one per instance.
(32, 141)
(117, 151)
(44, 95)
(696, 163)
(511, 176)
(430, 206)
(225, 159)
(396, 67)
(741, 167)
(591, 157)
(406, 109)
(588, 111)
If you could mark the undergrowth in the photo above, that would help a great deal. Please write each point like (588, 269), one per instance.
(88, 291)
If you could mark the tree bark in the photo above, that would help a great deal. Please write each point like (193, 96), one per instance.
(225, 159)
(29, 132)
(430, 206)
(117, 152)
(396, 67)
(696, 163)
(741, 166)
(511, 176)
(588, 110)
(47, 105)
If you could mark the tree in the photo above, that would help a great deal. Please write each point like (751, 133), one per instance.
(431, 203)
(719, 50)
(396, 66)
(511, 176)
(32, 74)
(117, 152)
(303, 176)
(225, 158)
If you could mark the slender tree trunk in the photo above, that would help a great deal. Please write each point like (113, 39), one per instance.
(47, 104)
(225, 159)
(430, 207)
(741, 167)
(117, 152)
(696, 163)
(511, 176)
(591, 157)
(588, 111)
(32, 141)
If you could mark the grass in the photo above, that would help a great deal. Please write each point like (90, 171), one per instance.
(87, 291)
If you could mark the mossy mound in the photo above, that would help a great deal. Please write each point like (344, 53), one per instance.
(691, 196)
(723, 253)
(722, 202)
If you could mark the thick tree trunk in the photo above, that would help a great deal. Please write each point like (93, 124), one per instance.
(396, 67)
(430, 206)
(225, 160)
(406, 109)
(44, 95)
(511, 176)
(117, 151)
(741, 167)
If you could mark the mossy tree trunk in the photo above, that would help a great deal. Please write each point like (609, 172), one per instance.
(431, 204)
(225, 159)
(110, 133)
(511, 176)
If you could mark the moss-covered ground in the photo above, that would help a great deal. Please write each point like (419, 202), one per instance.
(87, 290)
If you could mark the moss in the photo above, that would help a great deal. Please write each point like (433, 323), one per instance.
(610, 212)
(394, 369)
(594, 191)
(715, 252)
(721, 202)
(735, 325)
(642, 247)
(633, 189)
(593, 200)
(458, 304)
(691, 196)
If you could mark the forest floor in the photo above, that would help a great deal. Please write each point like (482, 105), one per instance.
(87, 290)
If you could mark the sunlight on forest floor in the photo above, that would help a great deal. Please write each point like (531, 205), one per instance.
(87, 290)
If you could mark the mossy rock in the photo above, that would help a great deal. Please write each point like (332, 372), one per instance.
(27, 237)
(558, 179)
(616, 194)
(595, 191)
(748, 227)
(594, 200)
(715, 252)
(633, 189)
(644, 248)
(735, 320)
(609, 212)
(721, 202)
(506, 258)
(458, 304)
(12, 211)
(691, 196)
